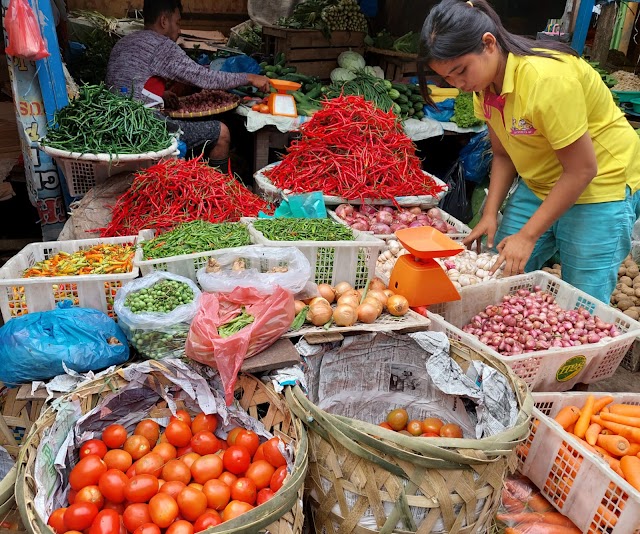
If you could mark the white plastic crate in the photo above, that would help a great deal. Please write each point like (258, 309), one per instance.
(577, 482)
(19, 296)
(333, 261)
(186, 265)
(557, 369)
(462, 229)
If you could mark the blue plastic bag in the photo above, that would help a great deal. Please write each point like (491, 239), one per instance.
(300, 206)
(476, 157)
(241, 64)
(442, 112)
(34, 346)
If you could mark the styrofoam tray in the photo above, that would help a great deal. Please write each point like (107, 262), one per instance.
(577, 482)
(550, 370)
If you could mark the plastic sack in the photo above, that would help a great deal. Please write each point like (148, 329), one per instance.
(476, 157)
(456, 202)
(273, 314)
(263, 269)
(157, 335)
(23, 32)
(442, 112)
(38, 346)
(301, 206)
(241, 64)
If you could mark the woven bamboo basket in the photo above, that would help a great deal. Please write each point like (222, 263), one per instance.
(405, 484)
(282, 514)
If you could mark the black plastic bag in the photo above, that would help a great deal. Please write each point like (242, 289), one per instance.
(456, 203)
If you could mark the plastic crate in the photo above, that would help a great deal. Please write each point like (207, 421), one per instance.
(237, 41)
(549, 370)
(577, 482)
(19, 296)
(462, 229)
(333, 261)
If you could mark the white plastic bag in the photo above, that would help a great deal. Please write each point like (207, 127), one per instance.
(157, 335)
(253, 265)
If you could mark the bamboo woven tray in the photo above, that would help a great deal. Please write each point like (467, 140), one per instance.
(199, 114)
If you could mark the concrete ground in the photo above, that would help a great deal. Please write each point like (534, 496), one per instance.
(622, 381)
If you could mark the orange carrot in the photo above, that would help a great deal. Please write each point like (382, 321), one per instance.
(512, 504)
(570, 428)
(625, 409)
(634, 449)
(613, 462)
(549, 518)
(605, 410)
(585, 417)
(607, 432)
(608, 515)
(600, 404)
(542, 528)
(630, 466)
(622, 419)
(629, 432)
(567, 416)
(616, 445)
(538, 503)
(591, 435)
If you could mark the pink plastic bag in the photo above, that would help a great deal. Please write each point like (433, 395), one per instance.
(23, 32)
(273, 314)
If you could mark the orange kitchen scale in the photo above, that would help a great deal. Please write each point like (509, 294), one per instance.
(280, 103)
(417, 276)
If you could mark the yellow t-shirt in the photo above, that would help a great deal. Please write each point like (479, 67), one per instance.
(549, 104)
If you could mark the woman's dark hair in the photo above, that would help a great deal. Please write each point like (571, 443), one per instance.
(154, 9)
(455, 28)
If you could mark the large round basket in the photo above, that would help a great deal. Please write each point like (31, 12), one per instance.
(281, 514)
(366, 479)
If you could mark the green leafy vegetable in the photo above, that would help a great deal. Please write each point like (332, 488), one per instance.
(463, 114)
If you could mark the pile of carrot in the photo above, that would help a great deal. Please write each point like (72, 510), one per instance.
(610, 430)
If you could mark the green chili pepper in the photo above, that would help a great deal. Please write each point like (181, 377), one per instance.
(303, 230)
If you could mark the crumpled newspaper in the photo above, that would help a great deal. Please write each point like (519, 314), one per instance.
(289, 376)
(496, 407)
(67, 382)
(6, 462)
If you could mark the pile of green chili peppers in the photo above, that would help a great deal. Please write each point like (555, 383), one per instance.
(303, 230)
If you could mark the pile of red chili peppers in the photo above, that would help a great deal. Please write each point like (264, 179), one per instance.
(177, 191)
(353, 150)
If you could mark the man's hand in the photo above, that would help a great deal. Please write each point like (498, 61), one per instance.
(261, 82)
(171, 100)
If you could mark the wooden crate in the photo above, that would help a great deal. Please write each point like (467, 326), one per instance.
(310, 51)
(396, 65)
(16, 417)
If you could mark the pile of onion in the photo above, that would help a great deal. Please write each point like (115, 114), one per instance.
(353, 305)
(530, 321)
(387, 220)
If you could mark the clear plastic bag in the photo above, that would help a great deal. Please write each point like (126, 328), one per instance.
(256, 264)
(23, 32)
(273, 314)
(157, 335)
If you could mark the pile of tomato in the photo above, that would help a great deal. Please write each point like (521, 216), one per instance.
(431, 427)
(180, 481)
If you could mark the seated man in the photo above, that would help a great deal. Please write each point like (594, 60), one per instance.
(141, 64)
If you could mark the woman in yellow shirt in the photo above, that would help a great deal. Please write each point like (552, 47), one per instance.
(553, 123)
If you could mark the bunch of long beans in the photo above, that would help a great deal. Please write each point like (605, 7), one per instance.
(101, 122)
(370, 87)
(303, 230)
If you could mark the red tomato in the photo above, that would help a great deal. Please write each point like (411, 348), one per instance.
(173, 488)
(204, 442)
(260, 472)
(135, 515)
(178, 433)
(236, 459)
(386, 425)
(218, 494)
(244, 489)
(234, 509)
(131, 472)
(207, 520)
(163, 509)
(248, 439)
(259, 455)
(227, 478)
(90, 494)
(117, 506)
(118, 459)
(272, 453)
(204, 421)
(148, 528)
(277, 480)
(429, 435)
(166, 450)
(180, 527)
(189, 458)
(149, 429)
(183, 451)
(192, 503)
(206, 467)
(176, 470)
(182, 415)
(137, 446)
(114, 436)
(56, 521)
(107, 522)
(112, 484)
(87, 472)
(432, 424)
(233, 434)
(80, 515)
(93, 446)
(150, 464)
(451, 430)
(141, 488)
(264, 495)
(414, 427)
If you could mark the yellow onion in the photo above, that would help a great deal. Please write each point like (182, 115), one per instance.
(298, 306)
(376, 283)
(349, 300)
(378, 294)
(319, 313)
(344, 315)
(327, 292)
(342, 288)
(316, 300)
(389, 293)
(375, 303)
(367, 313)
(397, 305)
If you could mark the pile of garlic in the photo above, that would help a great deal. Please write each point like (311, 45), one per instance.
(388, 258)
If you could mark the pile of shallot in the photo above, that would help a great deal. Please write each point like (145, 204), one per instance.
(385, 220)
(530, 321)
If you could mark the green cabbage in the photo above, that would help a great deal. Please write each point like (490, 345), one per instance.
(342, 75)
(351, 61)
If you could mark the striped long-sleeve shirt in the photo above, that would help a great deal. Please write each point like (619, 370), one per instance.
(143, 54)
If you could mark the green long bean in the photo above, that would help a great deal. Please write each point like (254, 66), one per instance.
(303, 230)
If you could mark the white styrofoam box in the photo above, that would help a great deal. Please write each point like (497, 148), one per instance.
(557, 369)
(462, 229)
(578, 483)
(19, 296)
(333, 261)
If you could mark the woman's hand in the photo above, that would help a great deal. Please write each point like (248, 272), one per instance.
(261, 82)
(488, 226)
(515, 252)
